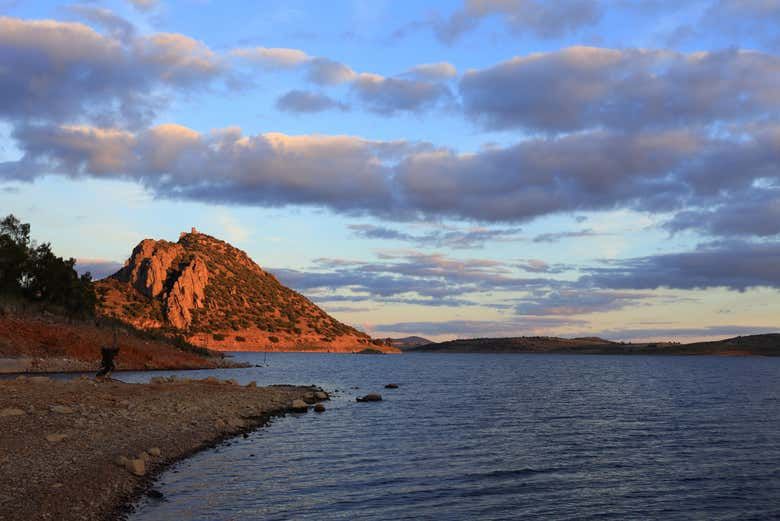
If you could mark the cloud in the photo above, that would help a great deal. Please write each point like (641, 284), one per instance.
(273, 57)
(587, 87)
(754, 212)
(674, 333)
(527, 326)
(735, 264)
(410, 274)
(301, 101)
(417, 90)
(433, 71)
(558, 236)
(467, 238)
(324, 71)
(117, 26)
(539, 18)
(388, 96)
(653, 172)
(565, 302)
(67, 71)
(144, 5)
(98, 268)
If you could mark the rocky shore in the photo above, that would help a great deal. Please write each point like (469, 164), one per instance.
(84, 449)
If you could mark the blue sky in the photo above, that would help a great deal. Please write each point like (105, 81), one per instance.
(449, 169)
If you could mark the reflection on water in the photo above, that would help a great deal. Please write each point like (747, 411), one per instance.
(497, 437)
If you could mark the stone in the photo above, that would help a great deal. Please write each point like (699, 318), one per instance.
(252, 384)
(55, 438)
(144, 456)
(220, 423)
(232, 381)
(11, 411)
(61, 409)
(319, 408)
(154, 451)
(391, 386)
(299, 406)
(121, 461)
(235, 422)
(321, 395)
(372, 397)
(136, 467)
(309, 398)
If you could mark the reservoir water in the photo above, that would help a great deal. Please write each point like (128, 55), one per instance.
(471, 436)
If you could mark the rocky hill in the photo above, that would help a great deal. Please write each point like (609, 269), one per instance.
(408, 342)
(215, 296)
(761, 345)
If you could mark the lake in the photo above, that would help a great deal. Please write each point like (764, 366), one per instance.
(482, 436)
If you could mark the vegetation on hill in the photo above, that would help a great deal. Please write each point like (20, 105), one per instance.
(32, 272)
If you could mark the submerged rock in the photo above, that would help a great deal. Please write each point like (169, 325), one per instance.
(321, 395)
(391, 386)
(372, 397)
(319, 408)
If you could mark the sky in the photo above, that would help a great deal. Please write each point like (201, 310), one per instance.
(463, 168)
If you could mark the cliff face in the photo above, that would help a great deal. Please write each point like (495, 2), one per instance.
(215, 296)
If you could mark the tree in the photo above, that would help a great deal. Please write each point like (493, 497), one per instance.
(36, 273)
(14, 254)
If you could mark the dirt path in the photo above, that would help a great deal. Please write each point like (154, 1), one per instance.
(69, 450)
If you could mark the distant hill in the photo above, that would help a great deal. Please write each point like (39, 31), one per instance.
(764, 345)
(215, 296)
(408, 342)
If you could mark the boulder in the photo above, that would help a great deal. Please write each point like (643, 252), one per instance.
(11, 411)
(136, 467)
(319, 408)
(154, 451)
(391, 386)
(372, 397)
(321, 395)
(55, 438)
(309, 398)
(299, 406)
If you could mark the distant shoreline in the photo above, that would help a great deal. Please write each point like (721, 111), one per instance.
(753, 345)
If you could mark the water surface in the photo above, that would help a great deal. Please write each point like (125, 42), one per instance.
(473, 436)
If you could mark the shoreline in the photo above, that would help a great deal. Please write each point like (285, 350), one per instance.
(66, 444)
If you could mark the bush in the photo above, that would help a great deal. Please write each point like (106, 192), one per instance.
(217, 336)
(274, 339)
(240, 339)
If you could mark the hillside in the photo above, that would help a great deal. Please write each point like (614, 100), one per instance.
(409, 342)
(215, 296)
(762, 345)
(34, 341)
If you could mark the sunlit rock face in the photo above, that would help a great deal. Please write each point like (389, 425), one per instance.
(215, 296)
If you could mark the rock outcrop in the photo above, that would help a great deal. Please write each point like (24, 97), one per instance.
(215, 296)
